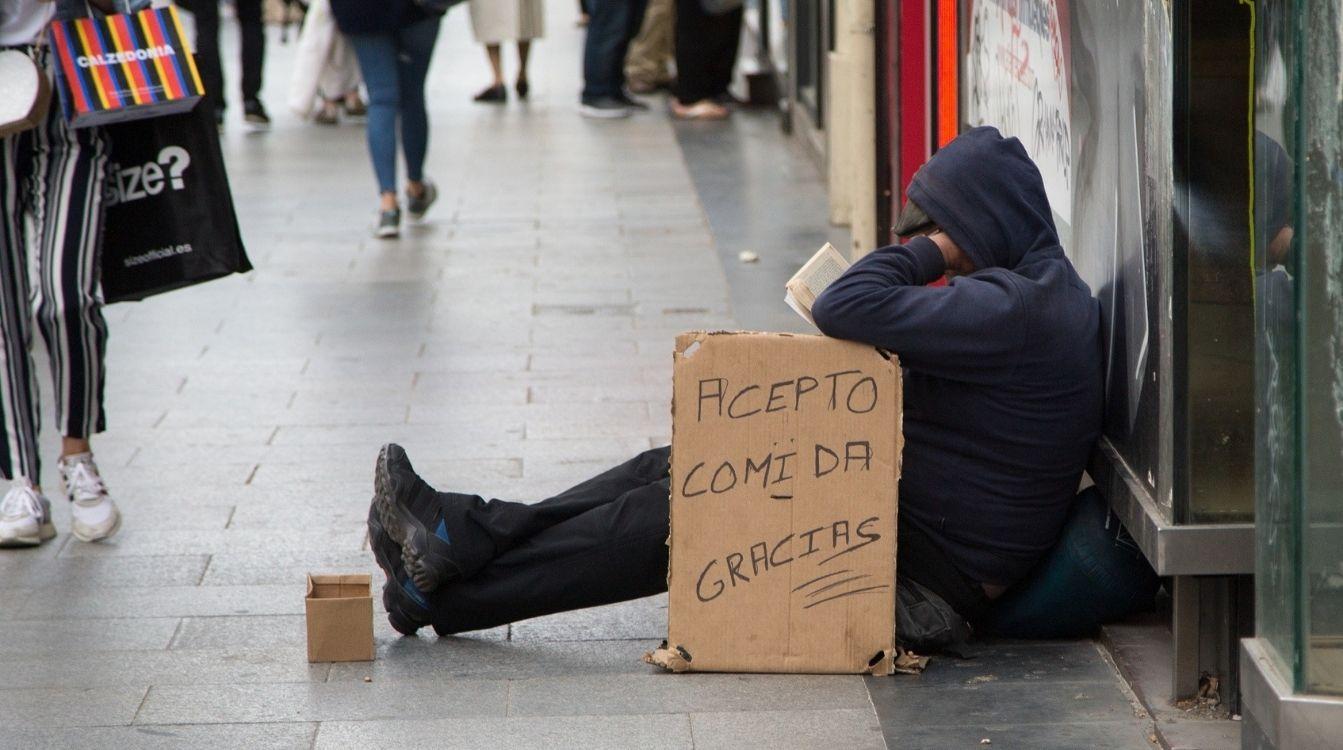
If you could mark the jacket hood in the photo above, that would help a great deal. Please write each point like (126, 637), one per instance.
(984, 191)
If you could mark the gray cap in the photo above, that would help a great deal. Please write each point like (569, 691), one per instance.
(912, 220)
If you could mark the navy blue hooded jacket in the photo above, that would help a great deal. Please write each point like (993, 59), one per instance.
(1003, 367)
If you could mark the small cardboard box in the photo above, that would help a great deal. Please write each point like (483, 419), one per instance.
(340, 617)
(784, 470)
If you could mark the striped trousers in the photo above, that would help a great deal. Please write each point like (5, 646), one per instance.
(52, 180)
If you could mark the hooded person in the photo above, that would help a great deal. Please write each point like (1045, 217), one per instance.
(1003, 381)
(1002, 405)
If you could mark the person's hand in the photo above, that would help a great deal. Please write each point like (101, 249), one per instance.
(958, 263)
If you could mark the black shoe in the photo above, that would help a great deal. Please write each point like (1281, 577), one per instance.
(407, 608)
(522, 87)
(631, 102)
(435, 536)
(497, 94)
(604, 108)
(255, 114)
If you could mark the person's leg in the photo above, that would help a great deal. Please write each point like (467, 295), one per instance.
(604, 49)
(448, 535)
(415, 45)
(646, 62)
(19, 416)
(524, 54)
(69, 182)
(691, 58)
(207, 50)
(611, 553)
(722, 40)
(377, 55)
(495, 54)
(253, 32)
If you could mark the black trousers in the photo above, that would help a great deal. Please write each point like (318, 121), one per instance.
(604, 541)
(706, 51)
(207, 47)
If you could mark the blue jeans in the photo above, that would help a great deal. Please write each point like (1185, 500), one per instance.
(613, 24)
(394, 65)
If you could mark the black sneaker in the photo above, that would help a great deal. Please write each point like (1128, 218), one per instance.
(407, 608)
(433, 530)
(255, 114)
(631, 102)
(604, 108)
(418, 207)
(497, 94)
(389, 225)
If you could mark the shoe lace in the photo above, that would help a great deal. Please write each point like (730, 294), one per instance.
(20, 500)
(84, 482)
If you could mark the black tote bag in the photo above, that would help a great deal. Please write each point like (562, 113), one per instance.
(170, 221)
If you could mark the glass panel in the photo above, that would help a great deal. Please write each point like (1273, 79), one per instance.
(1213, 183)
(1319, 156)
(1276, 518)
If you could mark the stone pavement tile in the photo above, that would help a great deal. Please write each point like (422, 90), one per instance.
(151, 541)
(360, 473)
(226, 704)
(1039, 661)
(853, 729)
(166, 601)
(286, 567)
(14, 600)
(1105, 735)
(589, 732)
(195, 435)
(39, 708)
(27, 637)
(485, 655)
(576, 695)
(142, 509)
(640, 619)
(373, 436)
(141, 668)
(273, 736)
(78, 574)
(997, 703)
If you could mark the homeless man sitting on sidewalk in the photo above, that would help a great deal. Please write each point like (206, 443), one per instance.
(1002, 406)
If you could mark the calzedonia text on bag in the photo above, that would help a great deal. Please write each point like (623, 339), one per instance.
(125, 66)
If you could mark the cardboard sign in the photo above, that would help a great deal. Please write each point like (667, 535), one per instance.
(340, 617)
(785, 464)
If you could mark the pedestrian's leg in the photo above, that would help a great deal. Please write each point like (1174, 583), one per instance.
(646, 61)
(495, 55)
(416, 49)
(611, 553)
(252, 26)
(524, 54)
(207, 50)
(18, 382)
(70, 180)
(377, 55)
(691, 59)
(722, 39)
(604, 48)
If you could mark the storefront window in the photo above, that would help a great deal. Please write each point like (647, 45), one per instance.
(1299, 353)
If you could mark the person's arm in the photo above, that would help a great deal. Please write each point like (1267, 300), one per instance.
(969, 330)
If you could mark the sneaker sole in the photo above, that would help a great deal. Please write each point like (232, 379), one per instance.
(427, 568)
(45, 532)
(96, 536)
(386, 234)
(257, 126)
(603, 114)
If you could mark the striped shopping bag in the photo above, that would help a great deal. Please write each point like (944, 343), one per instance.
(124, 66)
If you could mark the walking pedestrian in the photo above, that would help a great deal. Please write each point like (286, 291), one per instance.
(706, 52)
(497, 21)
(253, 35)
(611, 26)
(52, 181)
(394, 41)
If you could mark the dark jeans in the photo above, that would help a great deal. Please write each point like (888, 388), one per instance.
(207, 47)
(394, 65)
(613, 25)
(706, 51)
(604, 541)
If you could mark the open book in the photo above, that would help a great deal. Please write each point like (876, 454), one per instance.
(812, 278)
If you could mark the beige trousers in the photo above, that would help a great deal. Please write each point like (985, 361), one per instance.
(651, 53)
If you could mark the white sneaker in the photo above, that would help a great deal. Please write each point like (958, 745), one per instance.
(93, 515)
(25, 517)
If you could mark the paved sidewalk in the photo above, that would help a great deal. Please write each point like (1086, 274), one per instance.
(515, 343)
